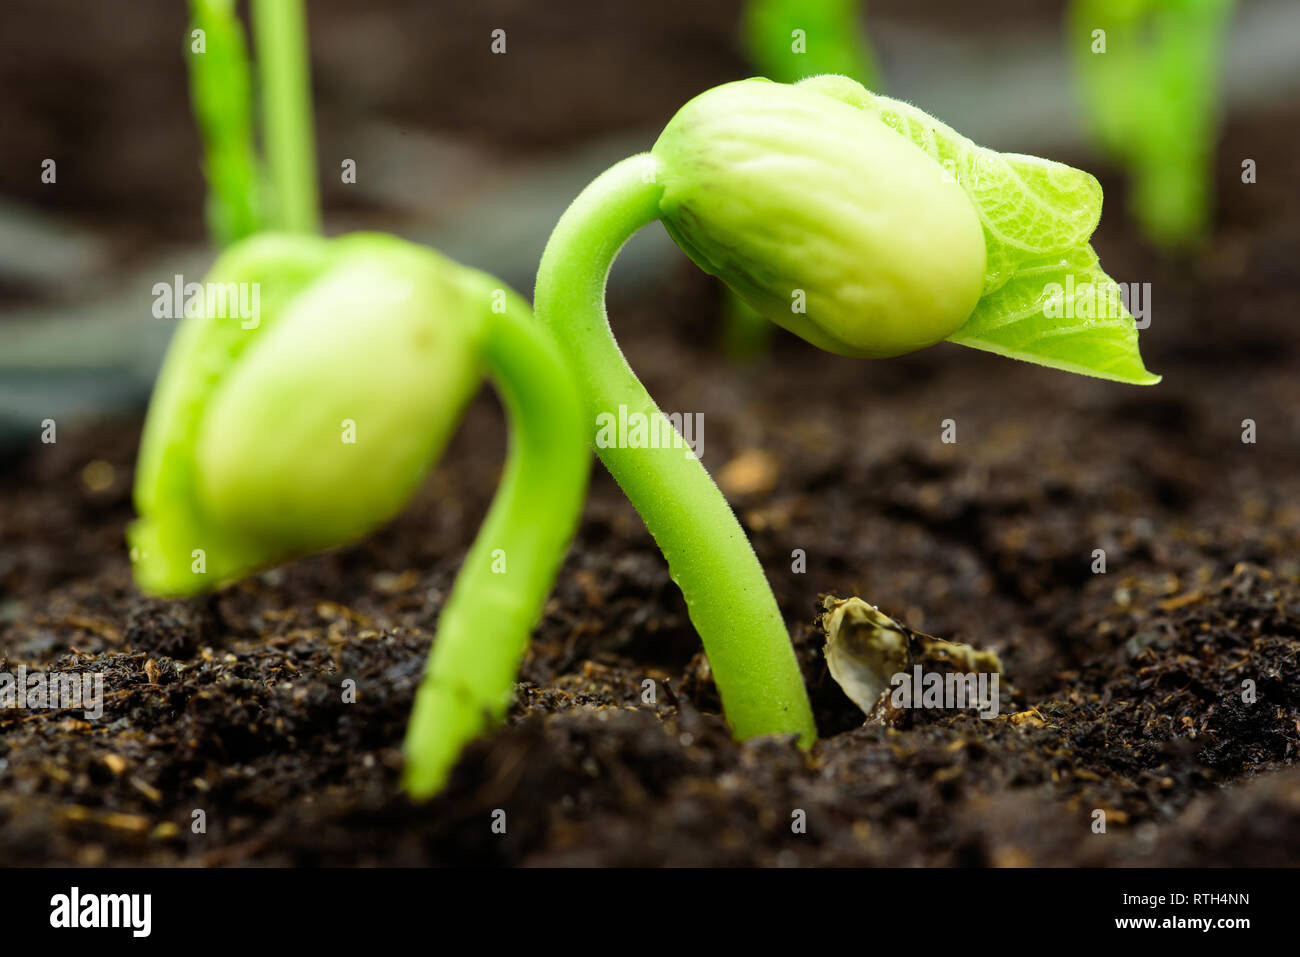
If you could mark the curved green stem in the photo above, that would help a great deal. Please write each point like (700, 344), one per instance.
(730, 602)
(498, 596)
(281, 31)
(221, 94)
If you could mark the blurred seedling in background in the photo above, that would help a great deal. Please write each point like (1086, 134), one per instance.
(866, 227)
(314, 424)
(791, 40)
(1148, 76)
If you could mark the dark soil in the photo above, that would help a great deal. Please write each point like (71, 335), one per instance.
(1127, 686)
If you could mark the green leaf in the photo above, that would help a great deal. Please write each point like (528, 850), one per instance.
(1030, 207)
(1063, 312)
(1040, 301)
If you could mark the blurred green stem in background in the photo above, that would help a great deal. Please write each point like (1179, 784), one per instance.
(1148, 73)
(221, 93)
(281, 32)
(792, 39)
(746, 334)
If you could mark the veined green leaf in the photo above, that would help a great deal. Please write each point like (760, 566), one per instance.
(1045, 297)
(1063, 312)
(1030, 207)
